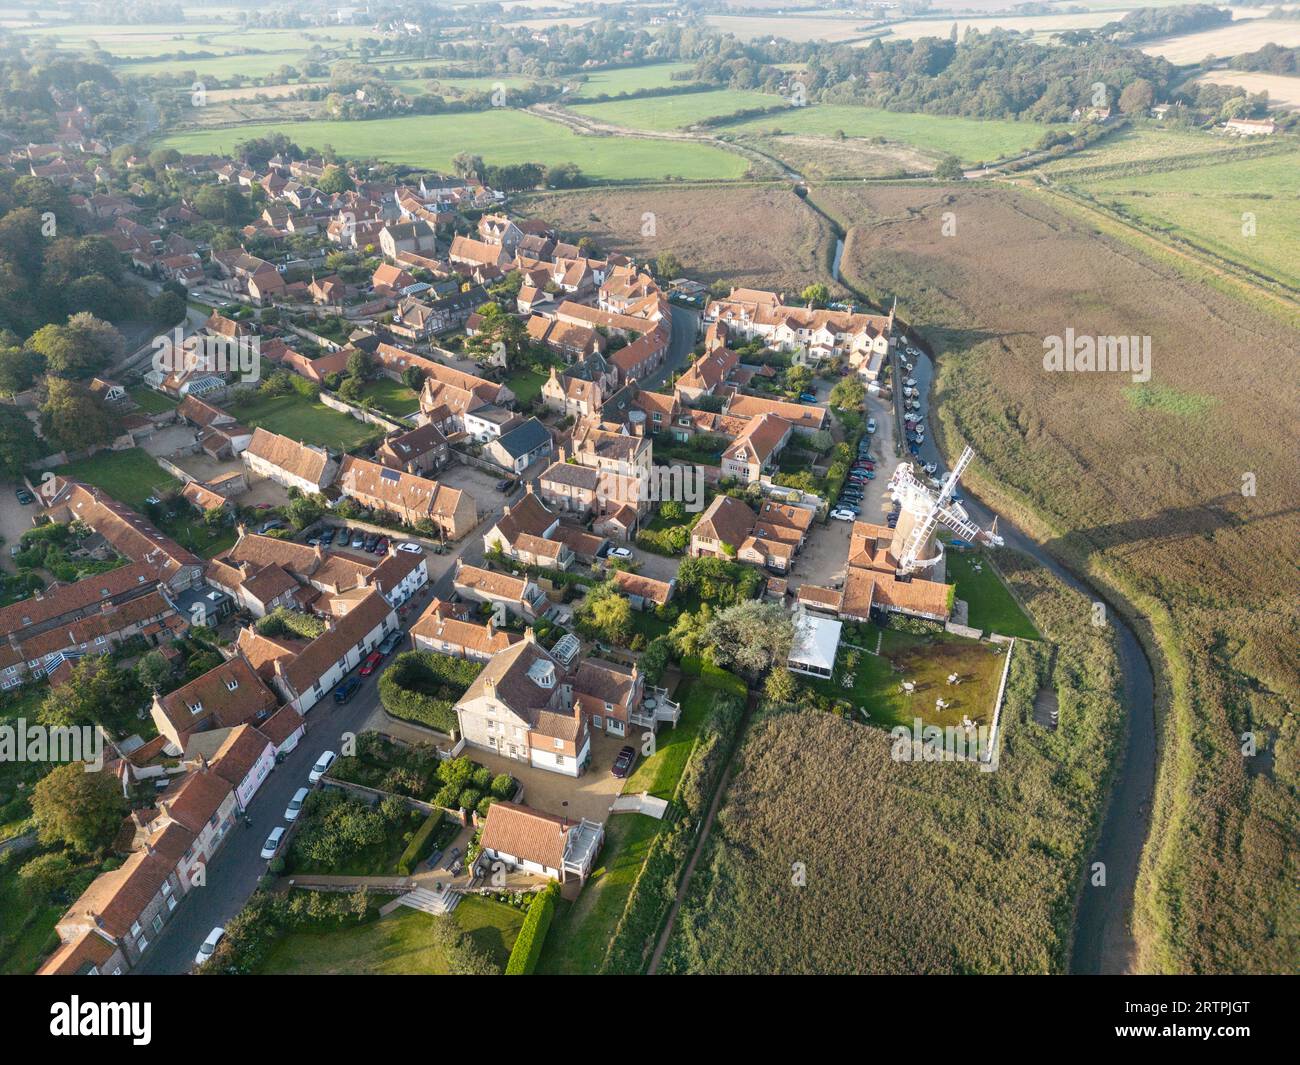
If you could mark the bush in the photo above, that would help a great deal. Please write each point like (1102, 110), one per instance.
(502, 786)
(470, 798)
(532, 935)
(482, 778)
(418, 849)
(424, 686)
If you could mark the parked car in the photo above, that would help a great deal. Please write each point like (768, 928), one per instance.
(272, 843)
(209, 945)
(381, 548)
(372, 661)
(843, 514)
(321, 767)
(623, 762)
(619, 552)
(391, 641)
(25, 497)
(358, 539)
(410, 549)
(871, 425)
(295, 804)
(371, 543)
(346, 690)
(505, 485)
(327, 537)
(910, 382)
(267, 526)
(807, 397)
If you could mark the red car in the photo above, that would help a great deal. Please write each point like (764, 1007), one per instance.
(371, 663)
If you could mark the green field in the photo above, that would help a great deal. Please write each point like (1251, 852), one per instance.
(630, 79)
(417, 86)
(1139, 144)
(675, 112)
(151, 401)
(526, 385)
(129, 476)
(1213, 204)
(971, 140)
(500, 136)
(396, 945)
(307, 421)
(992, 607)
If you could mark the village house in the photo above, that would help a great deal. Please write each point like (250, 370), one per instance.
(410, 498)
(540, 843)
(519, 595)
(421, 451)
(526, 533)
(228, 695)
(289, 463)
(414, 236)
(753, 451)
(520, 447)
(444, 629)
(819, 334)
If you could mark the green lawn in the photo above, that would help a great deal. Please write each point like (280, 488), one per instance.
(306, 420)
(500, 136)
(129, 476)
(149, 401)
(396, 945)
(992, 607)
(582, 930)
(132, 476)
(675, 112)
(970, 139)
(392, 397)
(526, 385)
(876, 686)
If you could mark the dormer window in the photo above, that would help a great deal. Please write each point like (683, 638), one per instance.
(196, 708)
(232, 684)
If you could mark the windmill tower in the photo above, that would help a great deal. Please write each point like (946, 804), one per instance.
(922, 514)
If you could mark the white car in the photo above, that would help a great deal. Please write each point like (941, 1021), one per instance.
(273, 842)
(410, 549)
(910, 382)
(930, 467)
(619, 552)
(871, 425)
(322, 766)
(843, 515)
(209, 945)
(295, 804)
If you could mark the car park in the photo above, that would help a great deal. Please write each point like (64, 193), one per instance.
(321, 767)
(371, 543)
(371, 663)
(346, 690)
(273, 842)
(295, 804)
(209, 945)
(410, 549)
(623, 762)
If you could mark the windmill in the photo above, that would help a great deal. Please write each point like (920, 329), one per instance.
(923, 512)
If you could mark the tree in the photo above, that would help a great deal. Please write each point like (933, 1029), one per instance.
(817, 294)
(1137, 97)
(18, 442)
(73, 419)
(667, 266)
(780, 688)
(950, 169)
(81, 348)
(606, 614)
(153, 671)
(335, 179)
(690, 630)
(45, 874)
(167, 308)
(82, 810)
(754, 636)
(18, 368)
(468, 166)
(848, 394)
(96, 693)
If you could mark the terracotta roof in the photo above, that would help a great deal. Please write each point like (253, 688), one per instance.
(490, 582)
(727, 520)
(281, 725)
(658, 592)
(525, 833)
(317, 657)
(79, 955)
(219, 702)
(241, 751)
(482, 639)
(296, 458)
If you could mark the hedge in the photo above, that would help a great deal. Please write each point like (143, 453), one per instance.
(418, 847)
(532, 934)
(424, 686)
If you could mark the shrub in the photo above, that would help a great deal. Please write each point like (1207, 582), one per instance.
(470, 798)
(532, 934)
(423, 686)
(482, 778)
(418, 849)
(503, 786)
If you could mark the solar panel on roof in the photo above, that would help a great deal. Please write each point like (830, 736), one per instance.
(389, 475)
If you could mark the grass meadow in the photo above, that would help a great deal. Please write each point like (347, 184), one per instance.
(500, 136)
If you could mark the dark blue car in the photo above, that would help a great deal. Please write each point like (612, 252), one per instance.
(347, 689)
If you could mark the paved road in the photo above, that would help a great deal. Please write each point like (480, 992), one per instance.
(236, 868)
(686, 324)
